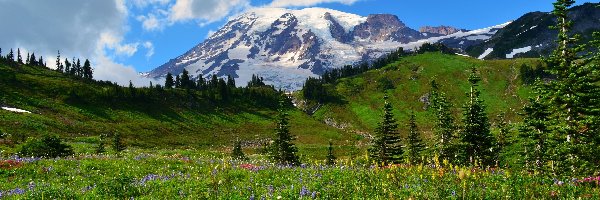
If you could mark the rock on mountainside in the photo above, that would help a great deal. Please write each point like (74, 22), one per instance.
(439, 30)
(530, 35)
(287, 46)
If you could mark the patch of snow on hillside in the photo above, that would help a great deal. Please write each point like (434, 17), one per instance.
(15, 110)
(478, 37)
(518, 51)
(485, 53)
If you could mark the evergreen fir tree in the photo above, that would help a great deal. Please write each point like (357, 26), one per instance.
(330, 156)
(67, 66)
(19, 58)
(73, 71)
(283, 150)
(414, 144)
(534, 131)
(32, 60)
(59, 65)
(117, 143)
(237, 152)
(100, 148)
(574, 101)
(185, 80)
(87, 70)
(230, 82)
(177, 82)
(40, 62)
(169, 83)
(475, 133)
(27, 59)
(501, 138)
(444, 128)
(11, 56)
(386, 147)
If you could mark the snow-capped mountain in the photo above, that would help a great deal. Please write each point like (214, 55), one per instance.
(287, 46)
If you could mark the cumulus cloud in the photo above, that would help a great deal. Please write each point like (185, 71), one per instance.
(169, 12)
(83, 29)
(149, 49)
(305, 3)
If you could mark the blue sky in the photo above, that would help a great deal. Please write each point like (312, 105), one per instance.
(124, 37)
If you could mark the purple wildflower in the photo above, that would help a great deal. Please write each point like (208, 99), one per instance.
(304, 191)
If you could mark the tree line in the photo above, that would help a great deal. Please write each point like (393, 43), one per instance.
(73, 68)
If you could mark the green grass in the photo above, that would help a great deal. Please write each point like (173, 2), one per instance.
(172, 122)
(501, 89)
(193, 174)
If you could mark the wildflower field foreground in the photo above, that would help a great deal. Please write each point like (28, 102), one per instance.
(187, 174)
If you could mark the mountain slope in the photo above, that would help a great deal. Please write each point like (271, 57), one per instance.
(360, 97)
(147, 118)
(530, 35)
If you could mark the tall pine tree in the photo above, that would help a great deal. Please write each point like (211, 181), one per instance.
(535, 130)
(19, 58)
(445, 144)
(283, 149)
(475, 134)
(88, 73)
(386, 148)
(59, 65)
(169, 82)
(414, 143)
(574, 101)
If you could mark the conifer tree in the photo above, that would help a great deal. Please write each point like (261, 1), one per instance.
(117, 143)
(11, 56)
(88, 73)
(100, 148)
(330, 156)
(535, 131)
(27, 59)
(32, 60)
(41, 61)
(475, 133)
(67, 66)
(574, 101)
(237, 152)
(230, 82)
(177, 82)
(73, 71)
(414, 143)
(19, 58)
(502, 138)
(283, 150)
(185, 80)
(444, 128)
(169, 83)
(59, 65)
(386, 147)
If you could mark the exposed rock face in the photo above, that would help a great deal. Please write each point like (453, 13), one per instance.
(385, 27)
(337, 31)
(440, 30)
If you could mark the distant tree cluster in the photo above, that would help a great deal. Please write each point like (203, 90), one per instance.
(73, 68)
(436, 47)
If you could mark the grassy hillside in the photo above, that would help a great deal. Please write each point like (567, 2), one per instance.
(81, 111)
(407, 82)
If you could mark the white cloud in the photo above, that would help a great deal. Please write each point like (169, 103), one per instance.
(205, 10)
(150, 22)
(165, 13)
(150, 49)
(305, 3)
